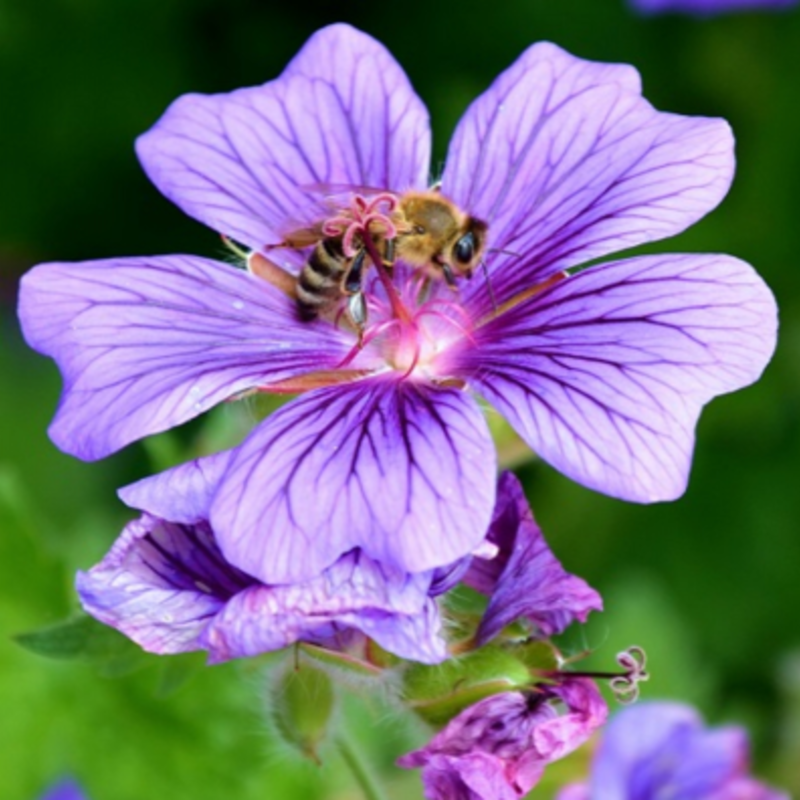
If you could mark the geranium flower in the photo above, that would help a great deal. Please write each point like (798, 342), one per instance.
(662, 749)
(603, 371)
(498, 748)
(166, 584)
(708, 7)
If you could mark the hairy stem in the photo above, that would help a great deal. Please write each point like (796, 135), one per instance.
(358, 767)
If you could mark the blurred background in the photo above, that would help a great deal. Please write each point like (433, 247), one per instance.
(708, 585)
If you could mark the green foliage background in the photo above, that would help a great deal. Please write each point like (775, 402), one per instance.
(708, 584)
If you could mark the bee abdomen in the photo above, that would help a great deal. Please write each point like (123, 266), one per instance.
(319, 282)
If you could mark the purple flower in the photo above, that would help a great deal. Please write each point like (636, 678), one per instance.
(498, 748)
(603, 371)
(524, 579)
(662, 749)
(166, 585)
(708, 7)
(66, 789)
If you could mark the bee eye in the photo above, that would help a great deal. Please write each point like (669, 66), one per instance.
(464, 251)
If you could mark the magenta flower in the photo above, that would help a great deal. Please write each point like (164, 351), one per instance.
(656, 750)
(524, 580)
(603, 371)
(498, 748)
(708, 7)
(166, 585)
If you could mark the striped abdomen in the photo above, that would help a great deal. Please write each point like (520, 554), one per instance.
(319, 286)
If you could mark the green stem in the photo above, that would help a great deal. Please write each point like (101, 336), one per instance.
(358, 767)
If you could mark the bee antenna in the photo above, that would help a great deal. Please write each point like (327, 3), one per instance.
(489, 284)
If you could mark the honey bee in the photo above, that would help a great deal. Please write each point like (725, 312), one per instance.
(433, 235)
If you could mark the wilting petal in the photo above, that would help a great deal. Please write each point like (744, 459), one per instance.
(708, 7)
(390, 607)
(567, 162)
(160, 583)
(605, 374)
(144, 344)
(404, 471)
(525, 579)
(499, 747)
(343, 112)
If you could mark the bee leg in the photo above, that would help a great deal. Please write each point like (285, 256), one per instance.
(450, 279)
(357, 313)
(355, 274)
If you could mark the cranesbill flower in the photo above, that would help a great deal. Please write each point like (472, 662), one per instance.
(524, 580)
(166, 585)
(498, 748)
(602, 371)
(663, 749)
(708, 7)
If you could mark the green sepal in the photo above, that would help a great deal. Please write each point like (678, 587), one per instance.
(302, 703)
(539, 656)
(438, 693)
(82, 637)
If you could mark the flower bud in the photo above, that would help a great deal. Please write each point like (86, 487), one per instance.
(302, 702)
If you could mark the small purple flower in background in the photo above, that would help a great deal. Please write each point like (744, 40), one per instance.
(661, 749)
(603, 372)
(498, 748)
(708, 7)
(66, 789)
(166, 584)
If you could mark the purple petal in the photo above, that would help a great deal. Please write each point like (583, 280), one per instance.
(390, 607)
(605, 374)
(64, 790)
(708, 7)
(343, 112)
(145, 344)
(653, 748)
(499, 746)
(160, 583)
(525, 579)
(404, 471)
(182, 494)
(567, 162)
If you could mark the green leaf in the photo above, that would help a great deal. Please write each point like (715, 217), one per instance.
(80, 637)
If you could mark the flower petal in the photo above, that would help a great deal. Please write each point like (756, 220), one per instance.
(707, 7)
(144, 344)
(605, 374)
(182, 494)
(567, 162)
(404, 471)
(525, 579)
(160, 583)
(499, 747)
(343, 112)
(66, 789)
(389, 606)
